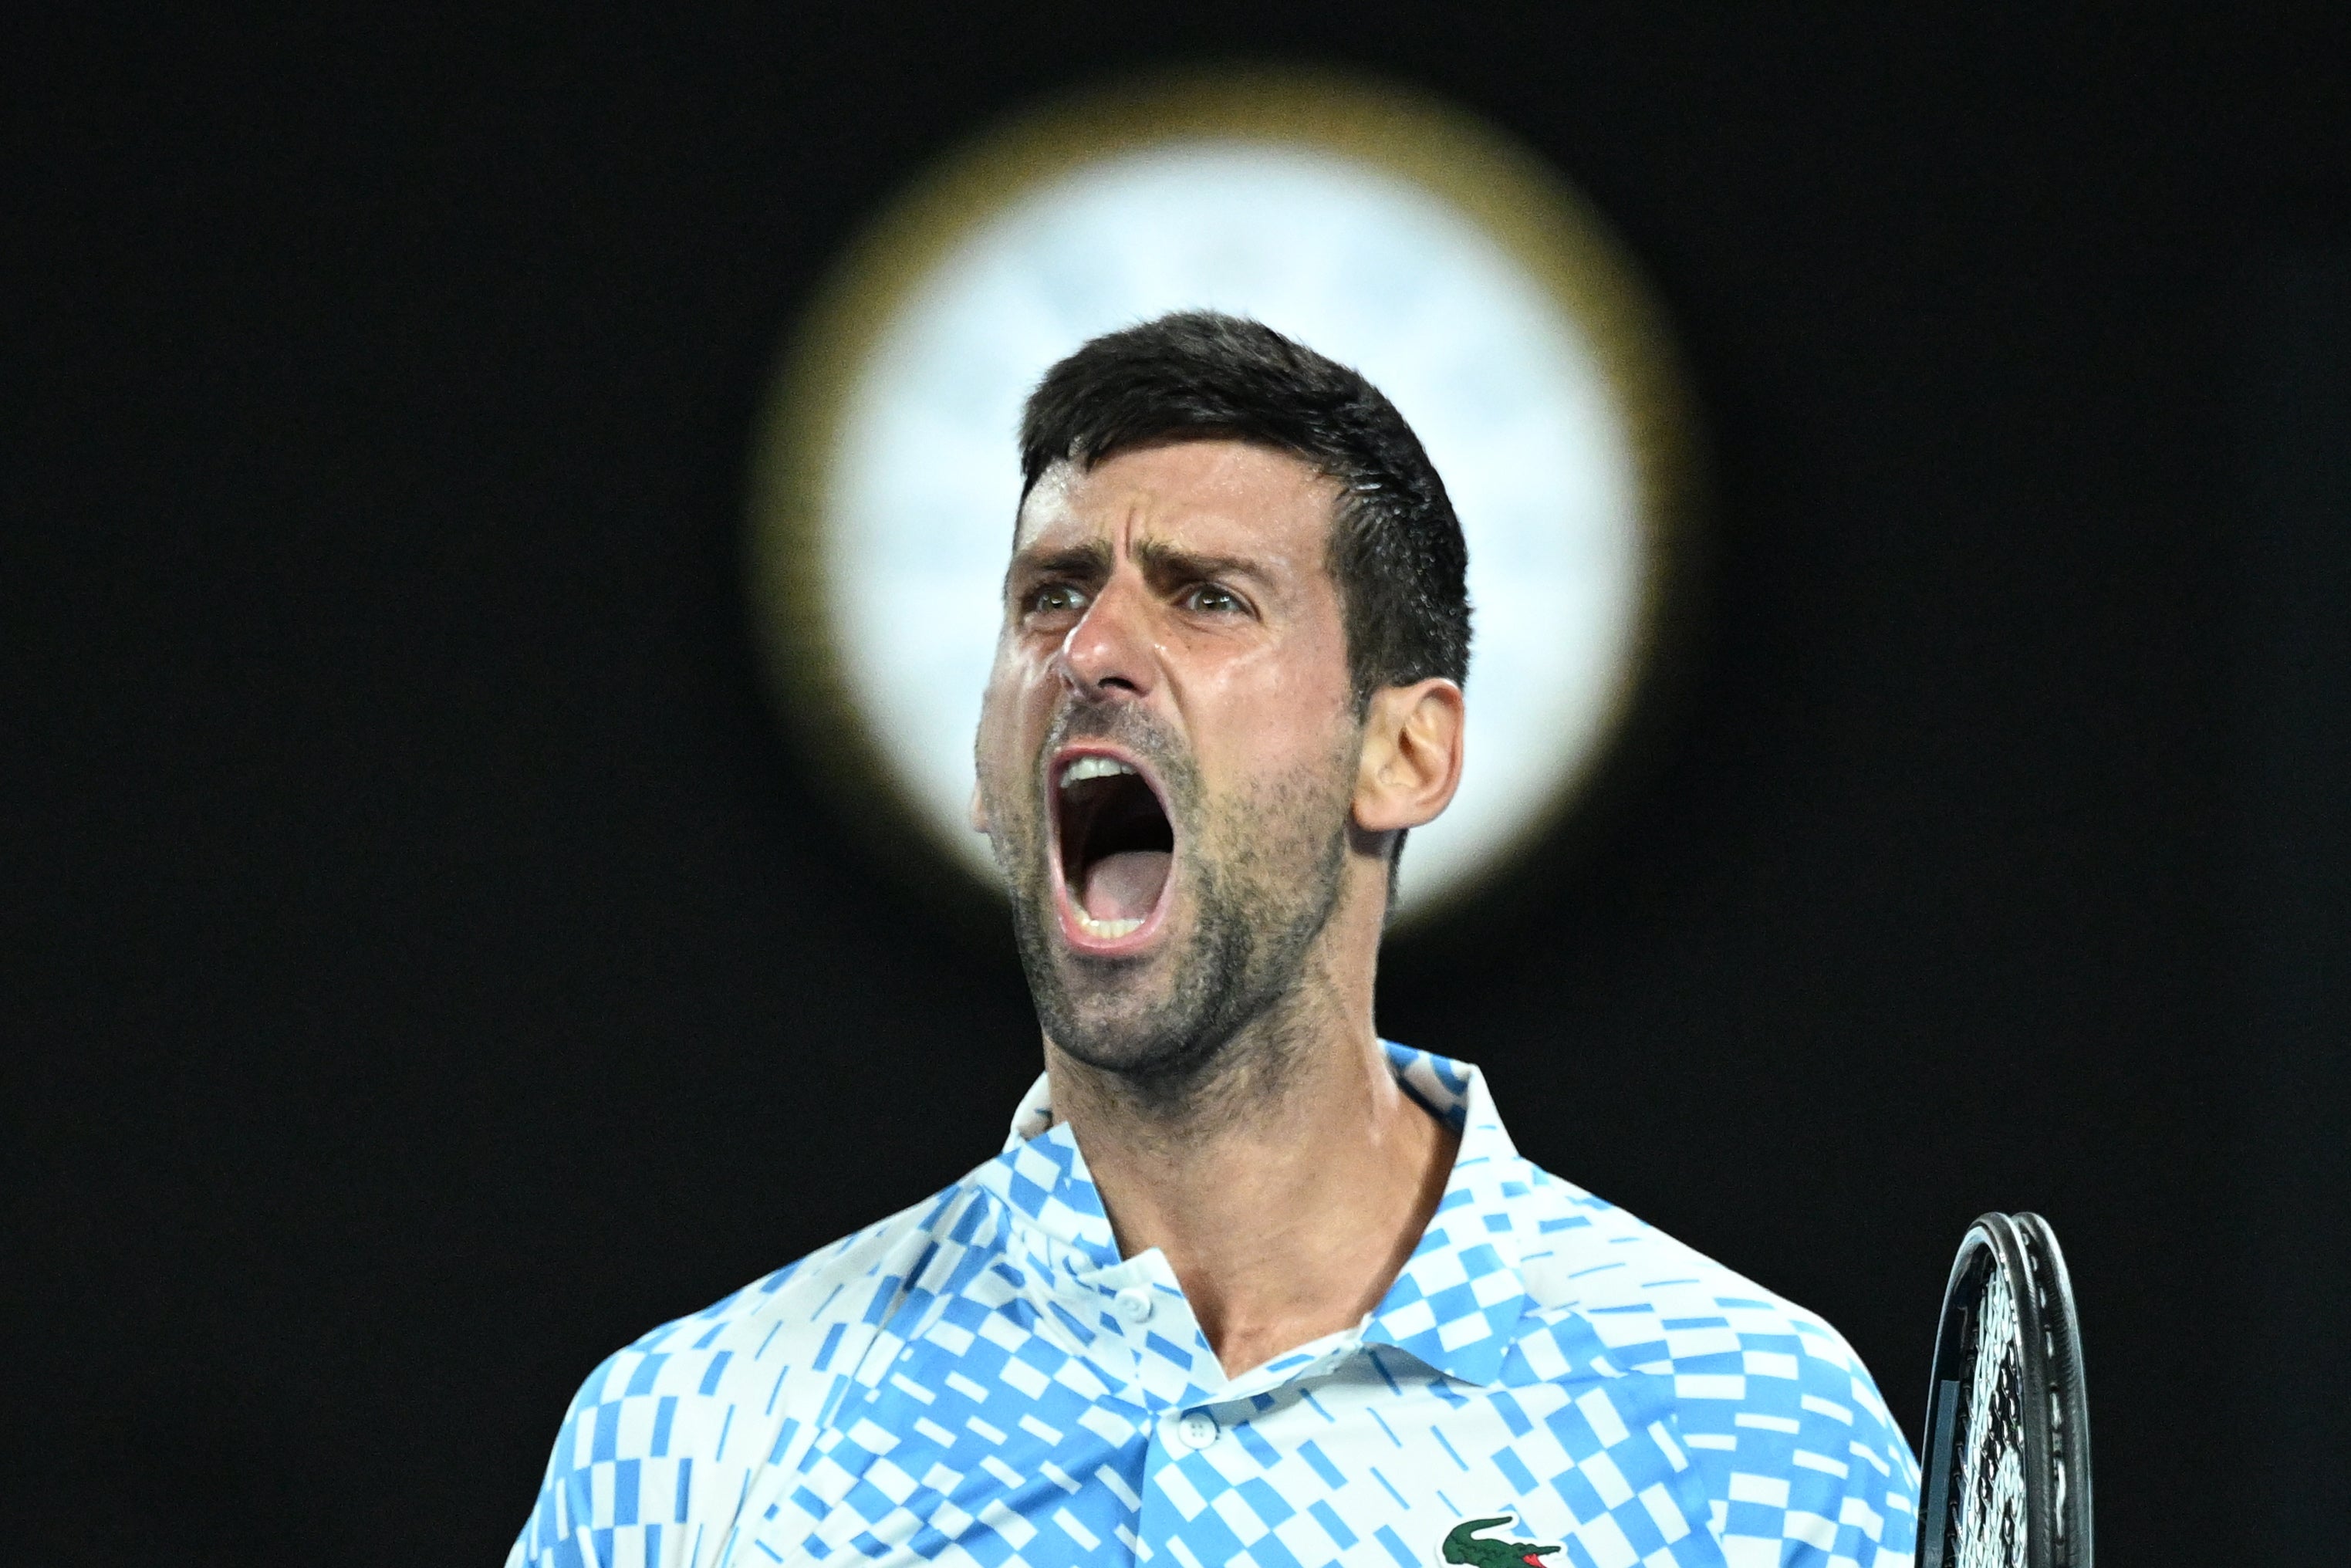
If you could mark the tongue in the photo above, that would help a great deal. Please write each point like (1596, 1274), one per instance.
(1124, 886)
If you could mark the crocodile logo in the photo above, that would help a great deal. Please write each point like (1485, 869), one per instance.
(1466, 1545)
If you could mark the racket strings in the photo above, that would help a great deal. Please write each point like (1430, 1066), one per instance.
(1990, 1528)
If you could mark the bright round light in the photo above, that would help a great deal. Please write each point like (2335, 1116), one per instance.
(886, 542)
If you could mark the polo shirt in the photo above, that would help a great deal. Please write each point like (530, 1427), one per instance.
(982, 1379)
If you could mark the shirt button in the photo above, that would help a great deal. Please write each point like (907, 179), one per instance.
(1198, 1429)
(1133, 1303)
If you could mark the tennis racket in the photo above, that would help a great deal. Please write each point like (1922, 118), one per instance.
(2008, 1429)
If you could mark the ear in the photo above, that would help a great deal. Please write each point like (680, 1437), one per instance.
(1412, 756)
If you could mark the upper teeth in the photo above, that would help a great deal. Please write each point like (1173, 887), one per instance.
(1086, 767)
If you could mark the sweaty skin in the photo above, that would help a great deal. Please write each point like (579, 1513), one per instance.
(1170, 610)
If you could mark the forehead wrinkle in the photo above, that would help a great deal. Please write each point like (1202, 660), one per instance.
(1158, 556)
(1132, 529)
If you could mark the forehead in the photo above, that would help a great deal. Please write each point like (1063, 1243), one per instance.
(1230, 496)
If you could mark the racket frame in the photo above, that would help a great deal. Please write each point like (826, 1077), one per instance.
(2055, 1411)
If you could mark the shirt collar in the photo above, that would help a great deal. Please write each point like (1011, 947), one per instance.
(1456, 1303)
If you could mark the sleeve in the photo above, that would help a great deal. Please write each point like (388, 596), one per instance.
(1805, 1466)
(1869, 1513)
(653, 1457)
(1799, 1461)
(658, 1453)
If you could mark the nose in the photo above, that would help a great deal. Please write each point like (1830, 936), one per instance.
(1109, 652)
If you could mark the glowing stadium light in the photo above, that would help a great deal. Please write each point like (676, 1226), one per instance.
(1394, 234)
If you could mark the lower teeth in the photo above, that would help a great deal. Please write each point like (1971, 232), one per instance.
(1107, 930)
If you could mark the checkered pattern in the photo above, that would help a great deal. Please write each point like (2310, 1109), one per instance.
(982, 1380)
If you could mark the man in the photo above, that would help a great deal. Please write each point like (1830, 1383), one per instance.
(1247, 1285)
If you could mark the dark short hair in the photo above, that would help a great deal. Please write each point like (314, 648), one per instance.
(1396, 550)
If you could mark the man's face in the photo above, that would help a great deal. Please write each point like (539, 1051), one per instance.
(1167, 749)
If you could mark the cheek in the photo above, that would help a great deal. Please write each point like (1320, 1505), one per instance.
(995, 704)
(1007, 715)
(1280, 721)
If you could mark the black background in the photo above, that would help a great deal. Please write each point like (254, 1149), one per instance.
(428, 965)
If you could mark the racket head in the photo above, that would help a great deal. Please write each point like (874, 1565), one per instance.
(2007, 1432)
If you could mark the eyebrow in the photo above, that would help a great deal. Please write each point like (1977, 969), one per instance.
(1090, 559)
(1088, 562)
(1161, 563)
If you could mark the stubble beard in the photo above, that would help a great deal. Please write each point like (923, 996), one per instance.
(1262, 872)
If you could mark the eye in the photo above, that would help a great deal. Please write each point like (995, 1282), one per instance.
(1056, 599)
(1209, 598)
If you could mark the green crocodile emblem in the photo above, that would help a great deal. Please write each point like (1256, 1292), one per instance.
(1466, 1545)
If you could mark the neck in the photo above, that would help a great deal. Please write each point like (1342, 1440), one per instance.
(1288, 1186)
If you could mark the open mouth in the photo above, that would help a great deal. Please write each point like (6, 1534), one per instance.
(1117, 847)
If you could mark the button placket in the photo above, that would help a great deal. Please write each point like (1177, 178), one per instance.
(1166, 1363)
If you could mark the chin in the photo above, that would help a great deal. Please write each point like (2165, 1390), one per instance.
(1159, 1014)
(1140, 1049)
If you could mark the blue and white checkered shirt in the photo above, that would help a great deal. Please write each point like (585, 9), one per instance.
(984, 1380)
